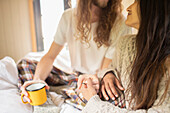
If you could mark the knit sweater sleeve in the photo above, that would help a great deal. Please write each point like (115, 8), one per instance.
(96, 105)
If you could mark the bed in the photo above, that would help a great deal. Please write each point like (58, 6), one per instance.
(10, 96)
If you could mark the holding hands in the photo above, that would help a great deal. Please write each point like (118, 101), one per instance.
(87, 89)
(89, 86)
(94, 79)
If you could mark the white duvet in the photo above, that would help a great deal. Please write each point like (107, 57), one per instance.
(10, 101)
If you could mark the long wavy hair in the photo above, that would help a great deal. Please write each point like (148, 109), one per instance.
(107, 19)
(153, 48)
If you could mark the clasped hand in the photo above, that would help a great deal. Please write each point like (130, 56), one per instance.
(89, 86)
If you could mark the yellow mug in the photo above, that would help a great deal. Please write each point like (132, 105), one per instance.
(36, 93)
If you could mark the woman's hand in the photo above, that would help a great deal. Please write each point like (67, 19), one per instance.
(87, 89)
(94, 79)
(27, 83)
(108, 86)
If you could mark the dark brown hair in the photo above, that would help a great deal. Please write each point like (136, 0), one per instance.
(153, 48)
(106, 21)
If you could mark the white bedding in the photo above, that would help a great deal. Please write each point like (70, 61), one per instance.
(9, 96)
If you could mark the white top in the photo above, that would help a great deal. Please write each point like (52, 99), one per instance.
(85, 58)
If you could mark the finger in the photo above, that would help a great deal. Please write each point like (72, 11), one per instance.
(23, 87)
(116, 102)
(96, 86)
(46, 85)
(104, 92)
(24, 91)
(95, 82)
(83, 88)
(80, 81)
(109, 92)
(114, 91)
(95, 79)
(27, 83)
(88, 86)
(118, 84)
(27, 99)
(89, 82)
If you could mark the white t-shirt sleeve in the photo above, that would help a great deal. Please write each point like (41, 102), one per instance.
(60, 35)
(119, 30)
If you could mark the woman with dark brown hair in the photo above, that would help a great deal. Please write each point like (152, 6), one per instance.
(141, 62)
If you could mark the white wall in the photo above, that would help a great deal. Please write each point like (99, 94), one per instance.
(15, 36)
(126, 4)
(51, 11)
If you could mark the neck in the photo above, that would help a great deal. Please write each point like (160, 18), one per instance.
(137, 27)
(95, 13)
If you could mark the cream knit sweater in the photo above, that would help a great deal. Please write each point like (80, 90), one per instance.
(123, 57)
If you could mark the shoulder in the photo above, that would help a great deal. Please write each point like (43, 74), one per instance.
(67, 17)
(120, 19)
(67, 14)
(126, 41)
(128, 38)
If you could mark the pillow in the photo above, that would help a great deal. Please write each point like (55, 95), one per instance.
(8, 73)
(10, 97)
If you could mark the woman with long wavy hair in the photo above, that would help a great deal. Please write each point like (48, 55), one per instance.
(106, 20)
(89, 30)
(141, 62)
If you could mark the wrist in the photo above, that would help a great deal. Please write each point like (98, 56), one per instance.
(36, 78)
(109, 72)
(93, 97)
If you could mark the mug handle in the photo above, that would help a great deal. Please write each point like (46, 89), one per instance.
(22, 95)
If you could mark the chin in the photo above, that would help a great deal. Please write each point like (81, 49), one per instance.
(127, 22)
(103, 6)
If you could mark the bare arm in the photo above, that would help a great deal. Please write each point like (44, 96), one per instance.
(106, 62)
(46, 63)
